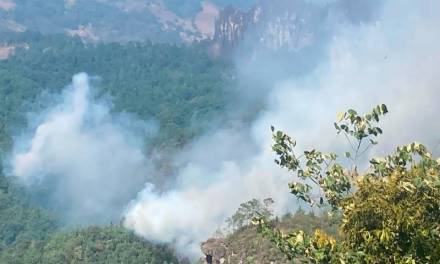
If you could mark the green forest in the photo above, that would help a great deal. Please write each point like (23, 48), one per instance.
(302, 131)
(181, 88)
(177, 87)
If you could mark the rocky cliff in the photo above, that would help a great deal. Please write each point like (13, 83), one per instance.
(288, 25)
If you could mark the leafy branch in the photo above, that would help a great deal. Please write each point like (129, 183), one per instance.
(389, 214)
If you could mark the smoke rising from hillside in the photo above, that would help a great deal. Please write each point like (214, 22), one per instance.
(90, 162)
(393, 60)
(95, 163)
(216, 174)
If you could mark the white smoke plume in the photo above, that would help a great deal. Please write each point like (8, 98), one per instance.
(216, 174)
(393, 60)
(96, 164)
(91, 160)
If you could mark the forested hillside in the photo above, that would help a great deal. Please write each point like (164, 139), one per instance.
(174, 86)
(246, 245)
(130, 130)
(92, 245)
(168, 21)
(178, 88)
(31, 234)
(21, 220)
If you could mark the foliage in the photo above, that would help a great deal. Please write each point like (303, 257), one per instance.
(246, 245)
(92, 245)
(105, 20)
(179, 87)
(20, 220)
(248, 211)
(30, 234)
(389, 214)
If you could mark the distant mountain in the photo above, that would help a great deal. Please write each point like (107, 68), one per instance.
(116, 20)
(275, 25)
(286, 25)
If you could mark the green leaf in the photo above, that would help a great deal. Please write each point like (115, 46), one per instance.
(352, 112)
(341, 117)
(279, 135)
(384, 109)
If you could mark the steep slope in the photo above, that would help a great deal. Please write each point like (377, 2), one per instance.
(289, 27)
(246, 245)
(285, 25)
(176, 86)
(20, 219)
(92, 20)
(274, 25)
(115, 20)
(92, 245)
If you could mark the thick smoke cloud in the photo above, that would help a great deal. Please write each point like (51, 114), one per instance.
(393, 60)
(90, 162)
(95, 166)
(216, 174)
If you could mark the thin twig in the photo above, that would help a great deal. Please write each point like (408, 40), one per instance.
(357, 149)
(349, 141)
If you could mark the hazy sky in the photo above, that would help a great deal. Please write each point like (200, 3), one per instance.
(97, 166)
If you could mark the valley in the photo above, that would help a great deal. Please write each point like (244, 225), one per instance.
(145, 131)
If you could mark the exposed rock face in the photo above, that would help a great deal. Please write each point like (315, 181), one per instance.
(111, 20)
(6, 51)
(287, 25)
(291, 26)
(248, 245)
(85, 33)
(273, 25)
(215, 250)
(241, 249)
(11, 25)
(206, 18)
(232, 25)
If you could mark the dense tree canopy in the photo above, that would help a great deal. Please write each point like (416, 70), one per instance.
(388, 214)
(20, 219)
(92, 245)
(179, 87)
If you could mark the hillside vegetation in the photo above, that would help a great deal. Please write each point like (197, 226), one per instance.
(388, 213)
(247, 245)
(20, 220)
(179, 88)
(109, 245)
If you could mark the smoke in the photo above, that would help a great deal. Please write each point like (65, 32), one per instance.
(393, 59)
(94, 165)
(216, 174)
(88, 161)
(290, 39)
